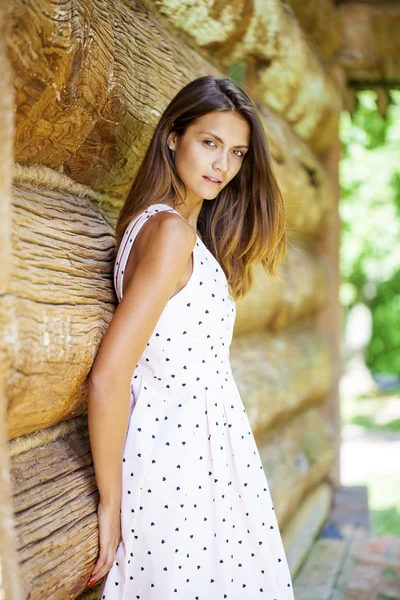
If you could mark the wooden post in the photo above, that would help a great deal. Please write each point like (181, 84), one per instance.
(330, 319)
(10, 580)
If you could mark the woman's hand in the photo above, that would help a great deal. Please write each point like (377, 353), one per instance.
(109, 524)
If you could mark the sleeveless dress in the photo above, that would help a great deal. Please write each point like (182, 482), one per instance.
(197, 519)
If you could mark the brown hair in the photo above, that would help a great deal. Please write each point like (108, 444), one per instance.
(245, 223)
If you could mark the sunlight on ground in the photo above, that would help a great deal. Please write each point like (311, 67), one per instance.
(370, 455)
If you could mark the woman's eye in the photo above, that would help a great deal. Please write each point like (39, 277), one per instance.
(208, 142)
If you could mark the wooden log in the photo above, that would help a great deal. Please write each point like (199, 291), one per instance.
(303, 527)
(300, 291)
(321, 21)
(330, 319)
(307, 192)
(55, 498)
(278, 375)
(296, 457)
(55, 504)
(291, 79)
(371, 43)
(90, 92)
(62, 299)
(382, 100)
(10, 584)
(98, 133)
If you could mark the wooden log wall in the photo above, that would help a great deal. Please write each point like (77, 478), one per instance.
(290, 77)
(371, 44)
(10, 580)
(90, 80)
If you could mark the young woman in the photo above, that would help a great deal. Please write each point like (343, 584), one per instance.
(185, 510)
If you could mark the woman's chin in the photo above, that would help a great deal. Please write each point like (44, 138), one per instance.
(204, 192)
(209, 194)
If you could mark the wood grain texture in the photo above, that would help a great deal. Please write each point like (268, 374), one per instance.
(55, 499)
(95, 97)
(304, 525)
(306, 190)
(55, 502)
(10, 584)
(290, 77)
(296, 458)
(321, 21)
(62, 298)
(300, 291)
(278, 375)
(371, 46)
(93, 86)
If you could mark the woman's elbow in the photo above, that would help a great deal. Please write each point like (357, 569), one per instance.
(100, 383)
(106, 385)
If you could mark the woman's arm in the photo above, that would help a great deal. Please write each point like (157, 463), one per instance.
(160, 253)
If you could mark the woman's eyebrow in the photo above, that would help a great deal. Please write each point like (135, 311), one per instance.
(219, 139)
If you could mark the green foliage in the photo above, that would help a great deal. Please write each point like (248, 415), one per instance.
(368, 121)
(395, 185)
(386, 522)
(370, 223)
(383, 352)
(375, 412)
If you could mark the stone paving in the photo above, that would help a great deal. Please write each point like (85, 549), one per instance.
(376, 574)
(346, 562)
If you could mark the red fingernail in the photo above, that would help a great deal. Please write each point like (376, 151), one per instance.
(91, 582)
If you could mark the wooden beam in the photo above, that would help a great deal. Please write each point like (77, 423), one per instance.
(321, 21)
(370, 52)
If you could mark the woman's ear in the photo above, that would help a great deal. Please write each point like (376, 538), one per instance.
(171, 141)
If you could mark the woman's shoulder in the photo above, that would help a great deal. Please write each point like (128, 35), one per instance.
(157, 213)
(158, 242)
(166, 226)
(159, 226)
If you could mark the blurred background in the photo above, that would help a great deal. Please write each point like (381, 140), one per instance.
(370, 296)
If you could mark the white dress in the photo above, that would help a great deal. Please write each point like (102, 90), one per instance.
(197, 519)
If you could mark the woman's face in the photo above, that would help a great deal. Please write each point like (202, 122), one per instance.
(212, 147)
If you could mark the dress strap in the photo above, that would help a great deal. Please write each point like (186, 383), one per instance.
(129, 236)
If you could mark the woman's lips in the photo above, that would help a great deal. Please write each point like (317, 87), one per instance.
(211, 181)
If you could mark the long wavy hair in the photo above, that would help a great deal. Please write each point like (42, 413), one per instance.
(245, 223)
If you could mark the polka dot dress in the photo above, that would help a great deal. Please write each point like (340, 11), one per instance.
(197, 517)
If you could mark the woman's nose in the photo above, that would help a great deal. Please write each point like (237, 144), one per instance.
(222, 163)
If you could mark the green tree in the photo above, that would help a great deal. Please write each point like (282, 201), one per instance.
(370, 217)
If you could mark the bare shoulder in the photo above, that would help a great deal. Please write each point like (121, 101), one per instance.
(167, 232)
(164, 242)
